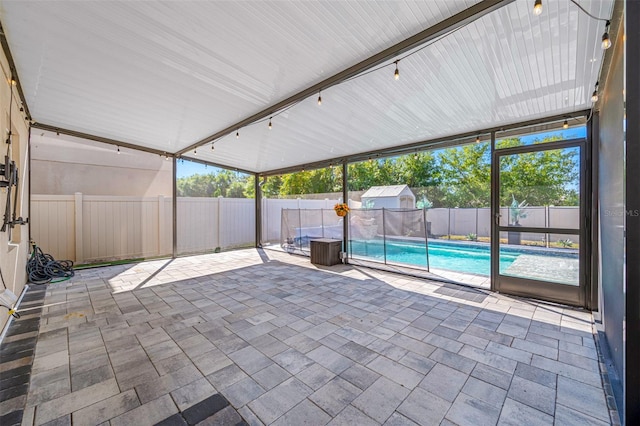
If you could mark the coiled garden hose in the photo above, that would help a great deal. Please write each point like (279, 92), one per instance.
(43, 268)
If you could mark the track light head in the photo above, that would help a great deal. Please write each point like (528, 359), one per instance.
(237, 134)
(594, 96)
(319, 98)
(478, 139)
(212, 147)
(565, 125)
(118, 150)
(195, 151)
(537, 7)
(396, 74)
(270, 126)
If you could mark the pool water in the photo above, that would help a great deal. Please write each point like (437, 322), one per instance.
(457, 257)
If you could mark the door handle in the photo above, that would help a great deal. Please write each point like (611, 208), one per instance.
(498, 216)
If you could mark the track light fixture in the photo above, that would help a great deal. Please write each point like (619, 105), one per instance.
(270, 126)
(537, 7)
(212, 147)
(396, 74)
(13, 81)
(594, 96)
(118, 150)
(237, 135)
(565, 125)
(606, 41)
(415, 155)
(478, 139)
(195, 151)
(166, 156)
(320, 98)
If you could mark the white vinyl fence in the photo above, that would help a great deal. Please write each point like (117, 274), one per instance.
(207, 224)
(90, 228)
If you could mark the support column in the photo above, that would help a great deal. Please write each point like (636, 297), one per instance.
(78, 223)
(258, 201)
(345, 220)
(174, 205)
(632, 214)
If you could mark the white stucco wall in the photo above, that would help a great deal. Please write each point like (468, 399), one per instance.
(64, 165)
(13, 245)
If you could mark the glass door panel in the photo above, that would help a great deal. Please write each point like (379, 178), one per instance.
(538, 231)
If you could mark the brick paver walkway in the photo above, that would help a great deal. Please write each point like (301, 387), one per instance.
(270, 338)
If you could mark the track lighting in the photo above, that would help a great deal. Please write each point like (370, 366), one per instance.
(565, 125)
(212, 147)
(415, 156)
(166, 157)
(270, 126)
(118, 150)
(537, 7)
(237, 136)
(606, 42)
(478, 139)
(13, 81)
(594, 96)
(396, 74)
(320, 98)
(195, 151)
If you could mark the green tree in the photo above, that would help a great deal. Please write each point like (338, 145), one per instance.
(541, 178)
(465, 176)
(225, 183)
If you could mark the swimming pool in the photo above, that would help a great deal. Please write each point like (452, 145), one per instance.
(452, 256)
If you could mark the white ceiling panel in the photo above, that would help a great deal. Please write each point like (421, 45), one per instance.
(506, 67)
(164, 75)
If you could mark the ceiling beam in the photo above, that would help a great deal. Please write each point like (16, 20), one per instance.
(55, 129)
(458, 20)
(13, 71)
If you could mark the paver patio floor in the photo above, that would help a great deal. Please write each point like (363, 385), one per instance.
(270, 337)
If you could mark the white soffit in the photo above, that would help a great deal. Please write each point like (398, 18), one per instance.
(507, 67)
(165, 74)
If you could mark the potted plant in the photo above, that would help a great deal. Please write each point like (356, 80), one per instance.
(341, 209)
(517, 211)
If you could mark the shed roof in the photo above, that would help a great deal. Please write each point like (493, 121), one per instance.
(387, 191)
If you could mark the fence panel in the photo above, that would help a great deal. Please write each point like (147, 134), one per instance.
(53, 224)
(237, 222)
(116, 227)
(197, 224)
(272, 214)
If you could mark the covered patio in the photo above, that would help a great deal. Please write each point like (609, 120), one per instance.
(181, 314)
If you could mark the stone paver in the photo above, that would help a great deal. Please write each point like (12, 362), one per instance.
(271, 339)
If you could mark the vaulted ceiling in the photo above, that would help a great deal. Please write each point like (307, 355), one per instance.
(169, 75)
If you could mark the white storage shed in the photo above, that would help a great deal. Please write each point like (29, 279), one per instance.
(390, 197)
